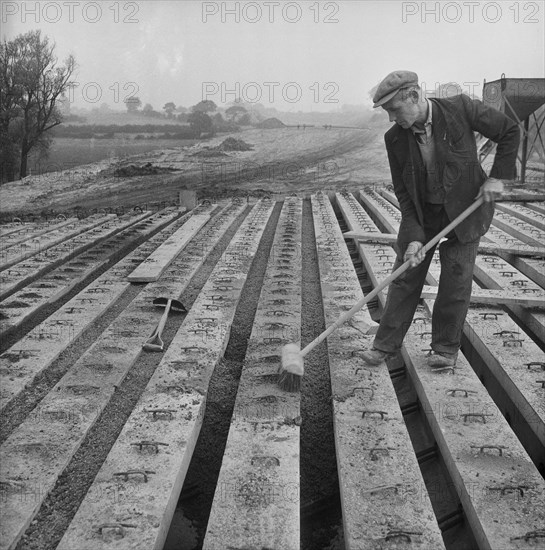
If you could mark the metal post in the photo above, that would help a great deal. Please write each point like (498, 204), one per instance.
(524, 150)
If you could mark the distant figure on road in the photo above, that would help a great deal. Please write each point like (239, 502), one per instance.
(437, 175)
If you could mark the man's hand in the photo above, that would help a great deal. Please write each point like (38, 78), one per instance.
(414, 253)
(491, 190)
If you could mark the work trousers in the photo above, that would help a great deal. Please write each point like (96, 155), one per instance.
(453, 295)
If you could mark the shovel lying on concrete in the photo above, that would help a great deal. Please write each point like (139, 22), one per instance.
(154, 342)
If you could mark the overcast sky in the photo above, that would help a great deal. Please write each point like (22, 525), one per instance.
(304, 55)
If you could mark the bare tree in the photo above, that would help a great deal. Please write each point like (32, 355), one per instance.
(32, 84)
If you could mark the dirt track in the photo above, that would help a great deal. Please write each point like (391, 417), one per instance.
(282, 161)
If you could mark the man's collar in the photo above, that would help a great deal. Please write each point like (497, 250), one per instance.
(428, 122)
(430, 111)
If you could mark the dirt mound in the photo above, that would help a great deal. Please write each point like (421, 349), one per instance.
(206, 153)
(232, 144)
(146, 170)
(229, 144)
(271, 124)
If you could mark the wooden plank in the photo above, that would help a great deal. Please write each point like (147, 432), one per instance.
(382, 490)
(152, 268)
(41, 447)
(371, 237)
(469, 447)
(256, 503)
(504, 296)
(35, 352)
(178, 385)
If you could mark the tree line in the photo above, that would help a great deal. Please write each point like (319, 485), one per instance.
(199, 117)
(31, 83)
(33, 87)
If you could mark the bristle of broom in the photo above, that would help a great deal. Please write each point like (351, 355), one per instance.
(291, 369)
(288, 381)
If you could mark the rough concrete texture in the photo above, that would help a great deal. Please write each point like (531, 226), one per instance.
(257, 499)
(170, 411)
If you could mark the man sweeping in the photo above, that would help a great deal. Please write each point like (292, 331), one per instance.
(436, 175)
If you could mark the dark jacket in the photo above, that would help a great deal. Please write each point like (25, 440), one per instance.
(454, 121)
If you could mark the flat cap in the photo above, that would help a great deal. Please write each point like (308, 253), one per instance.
(391, 84)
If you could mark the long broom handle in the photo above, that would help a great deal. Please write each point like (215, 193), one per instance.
(392, 277)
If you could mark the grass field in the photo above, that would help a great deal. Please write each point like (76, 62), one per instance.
(66, 153)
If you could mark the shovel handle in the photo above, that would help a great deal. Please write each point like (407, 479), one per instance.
(163, 319)
(392, 277)
(161, 325)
